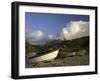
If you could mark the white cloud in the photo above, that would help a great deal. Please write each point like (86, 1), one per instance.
(50, 37)
(75, 29)
(33, 36)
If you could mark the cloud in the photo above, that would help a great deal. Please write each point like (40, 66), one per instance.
(33, 36)
(75, 29)
(50, 37)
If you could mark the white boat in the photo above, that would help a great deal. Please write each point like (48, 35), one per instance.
(45, 57)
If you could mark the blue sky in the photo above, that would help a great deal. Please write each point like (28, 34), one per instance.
(50, 24)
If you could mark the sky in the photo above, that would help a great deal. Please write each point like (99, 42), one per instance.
(55, 26)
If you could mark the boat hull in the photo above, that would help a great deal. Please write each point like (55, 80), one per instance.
(46, 57)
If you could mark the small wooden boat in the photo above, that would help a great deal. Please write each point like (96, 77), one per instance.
(44, 57)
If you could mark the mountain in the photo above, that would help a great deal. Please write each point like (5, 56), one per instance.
(76, 44)
(79, 42)
(29, 47)
(53, 42)
(62, 45)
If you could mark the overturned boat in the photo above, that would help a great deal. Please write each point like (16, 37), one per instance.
(44, 56)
